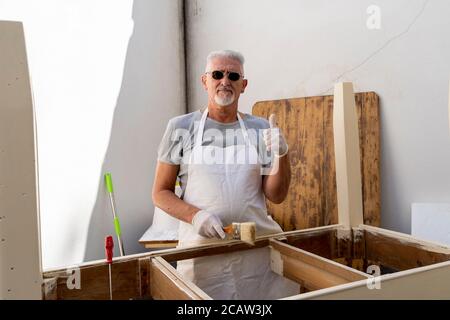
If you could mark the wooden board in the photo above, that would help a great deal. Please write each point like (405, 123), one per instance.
(417, 284)
(307, 124)
(20, 252)
(312, 271)
(401, 252)
(168, 284)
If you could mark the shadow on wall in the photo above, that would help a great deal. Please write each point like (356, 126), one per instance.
(137, 127)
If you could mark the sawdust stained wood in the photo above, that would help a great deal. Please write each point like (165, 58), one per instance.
(369, 135)
(329, 196)
(50, 289)
(416, 284)
(312, 271)
(144, 278)
(195, 252)
(166, 283)
(318, 243)
(399, 251)
(95, 282)
(308, 127)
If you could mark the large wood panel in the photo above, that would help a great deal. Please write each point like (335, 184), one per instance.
(307, 124)
(20, 252)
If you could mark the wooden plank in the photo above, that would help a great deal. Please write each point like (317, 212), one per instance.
(319, 243)
(20, 252)
(401, 251)
(159, 244)
(232, 246)
(299, 210)
(144, 278)
(50, 289)
(94, 282)
(416, 284)
(312, 271)
(311, 156)
(167, 283)
(359, 250)
(369, 126)
(347, 156)
(343, 246)
(329, 196)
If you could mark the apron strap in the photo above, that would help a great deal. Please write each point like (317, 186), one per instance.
(201, 129)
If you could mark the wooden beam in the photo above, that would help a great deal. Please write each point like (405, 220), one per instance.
(20, 252)
(94, 282)
(221, 247)
(347, 156)
(417, 284)
(310, 270)
(401, 251)
(219, 244)
(50, 289)
(156, 244)
(166, 283)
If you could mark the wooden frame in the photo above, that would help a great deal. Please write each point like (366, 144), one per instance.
(328, 262)
(325, 268)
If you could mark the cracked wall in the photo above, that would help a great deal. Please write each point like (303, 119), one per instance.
(300, 48)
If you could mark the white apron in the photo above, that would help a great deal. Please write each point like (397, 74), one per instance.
(233, 191)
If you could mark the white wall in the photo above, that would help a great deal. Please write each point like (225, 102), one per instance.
(106, 76)
(298, 48)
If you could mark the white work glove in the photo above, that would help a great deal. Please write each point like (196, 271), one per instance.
(208, 225)
(273, 138)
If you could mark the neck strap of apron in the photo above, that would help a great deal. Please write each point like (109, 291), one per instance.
(201, 128)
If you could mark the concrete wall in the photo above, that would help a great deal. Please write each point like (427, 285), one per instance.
(106, 76)
(298, 48)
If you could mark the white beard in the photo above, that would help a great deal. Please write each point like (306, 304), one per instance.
(224, 101)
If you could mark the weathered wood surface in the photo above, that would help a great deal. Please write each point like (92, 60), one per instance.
(94, 281)
(399, 251)
(307, 124)
(312, 271)
(167, 284)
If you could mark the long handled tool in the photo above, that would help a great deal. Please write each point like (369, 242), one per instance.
(109, 187)
(109, 245)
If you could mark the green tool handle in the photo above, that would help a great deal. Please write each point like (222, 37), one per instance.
(108, 181)
(117, 226)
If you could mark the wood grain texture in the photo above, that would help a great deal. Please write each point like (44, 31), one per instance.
(401, 253)
(312, 271)
(307, 124)
(167, 284)
(126, 282)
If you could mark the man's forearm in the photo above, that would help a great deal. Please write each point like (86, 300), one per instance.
(168, 201)
(276, 184)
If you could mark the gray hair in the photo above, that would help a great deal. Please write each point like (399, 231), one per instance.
(225, 54)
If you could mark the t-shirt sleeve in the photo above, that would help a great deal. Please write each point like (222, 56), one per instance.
(170, 149)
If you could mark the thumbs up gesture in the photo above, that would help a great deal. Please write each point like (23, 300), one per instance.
(273, 138)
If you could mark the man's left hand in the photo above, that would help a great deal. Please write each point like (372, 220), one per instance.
(273, 138)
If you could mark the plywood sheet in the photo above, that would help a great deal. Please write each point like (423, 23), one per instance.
(307, 124)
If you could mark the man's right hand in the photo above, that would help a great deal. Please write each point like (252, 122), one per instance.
(208, 225)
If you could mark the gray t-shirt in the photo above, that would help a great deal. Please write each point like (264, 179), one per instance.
(181, 131)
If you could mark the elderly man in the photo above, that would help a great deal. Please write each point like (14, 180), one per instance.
(218, 155)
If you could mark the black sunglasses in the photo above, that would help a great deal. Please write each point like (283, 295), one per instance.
(217, 75)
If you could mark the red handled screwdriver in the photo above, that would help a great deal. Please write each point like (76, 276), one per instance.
(109, 245)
